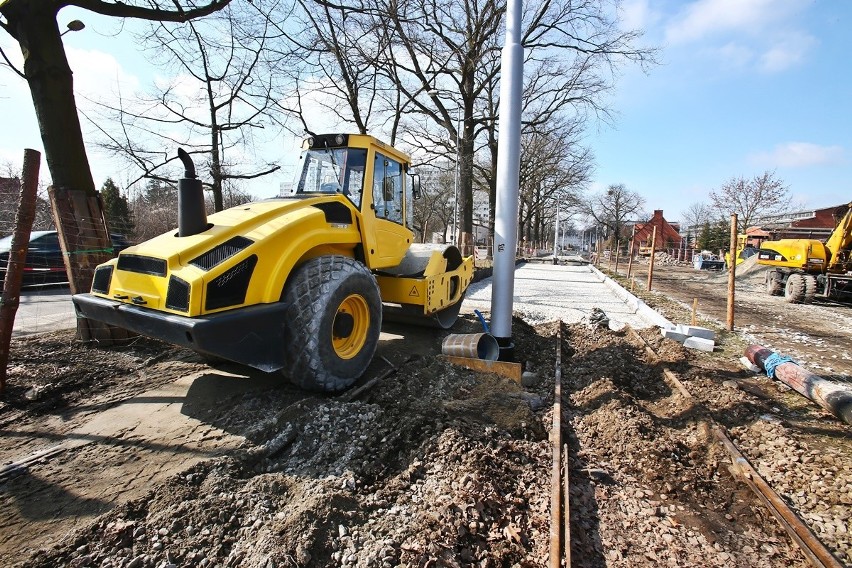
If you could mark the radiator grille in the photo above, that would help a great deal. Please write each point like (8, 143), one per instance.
(177, 297)
(230, 287)
(221, 253)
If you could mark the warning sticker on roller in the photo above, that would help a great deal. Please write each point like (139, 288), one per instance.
(413, 291)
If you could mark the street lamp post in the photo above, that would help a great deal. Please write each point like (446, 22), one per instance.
(556, 236)
(73, 26)
(456, 177)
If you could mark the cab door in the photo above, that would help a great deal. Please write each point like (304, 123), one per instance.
(386, 238)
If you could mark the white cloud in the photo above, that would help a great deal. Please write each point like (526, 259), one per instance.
(734, 55)
(799, 155)
(98, 74)
(637, 14)
(766, 36)
(708, 17)
(786, 53)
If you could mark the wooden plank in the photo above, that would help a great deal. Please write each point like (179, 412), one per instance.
(503, 368)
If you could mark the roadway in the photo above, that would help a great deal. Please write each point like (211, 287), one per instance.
(43, 308)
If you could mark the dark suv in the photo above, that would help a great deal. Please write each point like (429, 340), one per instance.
(44, 261)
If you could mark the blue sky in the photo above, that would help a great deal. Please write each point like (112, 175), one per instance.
(744, 86)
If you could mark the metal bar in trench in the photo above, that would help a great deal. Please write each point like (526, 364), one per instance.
(556, 470)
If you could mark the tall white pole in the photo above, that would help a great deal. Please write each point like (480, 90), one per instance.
(556, 236)
(508, 168)
(456, 178)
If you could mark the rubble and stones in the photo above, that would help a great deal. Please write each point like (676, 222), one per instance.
(441, 466)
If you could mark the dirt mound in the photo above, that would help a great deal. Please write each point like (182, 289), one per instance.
(749, 269)
(441, 466)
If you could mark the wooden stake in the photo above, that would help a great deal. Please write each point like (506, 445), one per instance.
(694, 311)
(18, 256)
(653, 254)
(733, 272)
(632, 253)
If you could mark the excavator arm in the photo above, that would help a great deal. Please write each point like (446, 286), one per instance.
(839, 242)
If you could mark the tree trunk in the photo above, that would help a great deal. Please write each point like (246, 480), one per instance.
(82, 231)
(492, 183)
(466, 177)
(51, 84)
(52, 89)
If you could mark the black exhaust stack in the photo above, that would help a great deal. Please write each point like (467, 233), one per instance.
(192, 215)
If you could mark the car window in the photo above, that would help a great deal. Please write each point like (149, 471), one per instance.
(48, 241)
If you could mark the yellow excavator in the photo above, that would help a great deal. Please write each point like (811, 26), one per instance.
(297, 284)
(805, 269)
(744, 251)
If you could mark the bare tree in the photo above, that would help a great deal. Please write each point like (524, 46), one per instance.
(434, 210)
(750, 198)
(611, 209)
(336, 47)
(225, 60)
(548, 175)
(695, 218)
(32, 23)
(697, 214)
(438, 65)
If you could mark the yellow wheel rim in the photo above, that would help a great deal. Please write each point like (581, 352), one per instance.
(351, 323)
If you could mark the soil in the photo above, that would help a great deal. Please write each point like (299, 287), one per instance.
(817, 335)
(156, 459)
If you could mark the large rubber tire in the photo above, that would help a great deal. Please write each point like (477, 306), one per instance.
(810, 288)
(774, 285)
(334, 317)
(794, 291)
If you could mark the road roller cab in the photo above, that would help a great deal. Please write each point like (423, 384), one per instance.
(297, 284)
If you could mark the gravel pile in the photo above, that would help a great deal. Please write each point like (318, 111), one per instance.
(815, 479)
(665, 259)
(435, 466)
(546, 293)
(441, 466)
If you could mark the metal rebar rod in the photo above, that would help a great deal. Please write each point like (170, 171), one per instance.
(556, 470)
(815, 551)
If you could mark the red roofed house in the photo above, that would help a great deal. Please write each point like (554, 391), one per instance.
(667, 234)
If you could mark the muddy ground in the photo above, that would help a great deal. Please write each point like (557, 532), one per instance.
(817, 335)
(155, 459)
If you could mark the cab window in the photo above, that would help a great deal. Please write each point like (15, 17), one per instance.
(387, 188)
(333, 170)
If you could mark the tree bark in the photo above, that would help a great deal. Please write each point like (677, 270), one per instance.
(82, 232)
(17, 257)
(52, 89)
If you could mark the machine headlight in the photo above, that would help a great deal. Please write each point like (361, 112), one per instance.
(102, 279)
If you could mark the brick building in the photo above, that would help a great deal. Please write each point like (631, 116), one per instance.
(668, 236)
